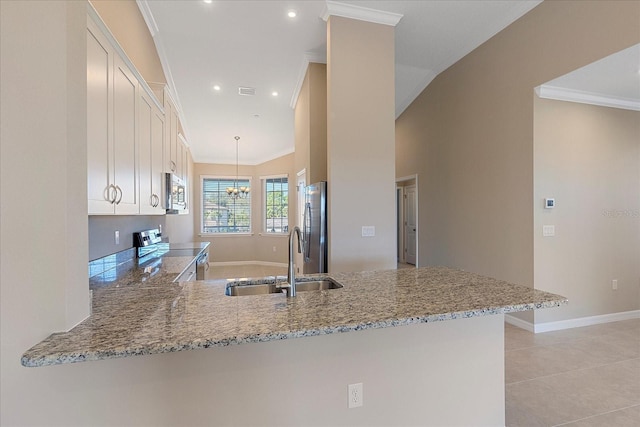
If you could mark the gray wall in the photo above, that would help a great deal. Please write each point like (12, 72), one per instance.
(102, 232)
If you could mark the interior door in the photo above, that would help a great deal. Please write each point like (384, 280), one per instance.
(410, 226)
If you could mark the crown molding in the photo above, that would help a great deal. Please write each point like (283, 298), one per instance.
(308, 57)
(145, 10)
(584, 97)
(334, 8)
(143, 5)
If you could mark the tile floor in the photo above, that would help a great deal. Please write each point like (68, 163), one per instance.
(581, 377)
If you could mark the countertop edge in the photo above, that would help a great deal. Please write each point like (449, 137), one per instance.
(203, 344)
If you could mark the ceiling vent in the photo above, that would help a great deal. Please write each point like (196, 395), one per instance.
(246, 91)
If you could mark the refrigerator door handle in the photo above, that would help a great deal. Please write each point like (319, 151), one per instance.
(307, 232)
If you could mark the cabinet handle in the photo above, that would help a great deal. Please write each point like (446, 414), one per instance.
(173, 166)
(157, 200)
(111, 195)
(152, 200)
(207, 269)
(118, 189)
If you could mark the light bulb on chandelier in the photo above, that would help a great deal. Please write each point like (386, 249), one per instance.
(235, 192)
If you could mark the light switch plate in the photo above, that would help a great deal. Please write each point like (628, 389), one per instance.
(548, 230)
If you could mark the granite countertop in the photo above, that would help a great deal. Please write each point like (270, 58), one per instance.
(153, 269)
(159, 316)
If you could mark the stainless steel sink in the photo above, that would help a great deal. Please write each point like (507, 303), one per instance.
(317, 285)
(302, 285)
(260, 289)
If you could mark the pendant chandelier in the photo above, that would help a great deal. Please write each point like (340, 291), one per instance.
(235, 192)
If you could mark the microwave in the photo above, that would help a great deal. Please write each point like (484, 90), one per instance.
(175, 194)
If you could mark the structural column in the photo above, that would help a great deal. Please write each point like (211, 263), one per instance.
(361, 143)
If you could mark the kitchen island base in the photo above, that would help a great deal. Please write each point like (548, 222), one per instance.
(441, 373)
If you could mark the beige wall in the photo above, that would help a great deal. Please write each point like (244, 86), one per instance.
(318, 112)
(259, 246)
(469, 135)
(43, 208)
(302, 126)
(360, 144)
(127, 25)
(311, 124)
(588, 159)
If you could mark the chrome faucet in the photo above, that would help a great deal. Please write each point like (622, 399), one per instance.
(291, 273)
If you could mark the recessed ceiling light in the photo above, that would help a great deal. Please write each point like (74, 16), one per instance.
(208, 1)
(216, 87)
(274, 93)
(292, 14)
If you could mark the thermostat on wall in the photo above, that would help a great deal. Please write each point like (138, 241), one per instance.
(549, 203)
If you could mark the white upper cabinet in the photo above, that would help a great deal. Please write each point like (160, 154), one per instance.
(100, 172)
(171, 141)
(125, 98)
(151, 139)
(112, 92)
(132, 138)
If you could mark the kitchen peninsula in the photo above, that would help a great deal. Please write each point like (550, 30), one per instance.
(413, 334)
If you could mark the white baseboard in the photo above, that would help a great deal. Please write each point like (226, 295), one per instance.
(516, 321)
(264, 263)
(571, 323)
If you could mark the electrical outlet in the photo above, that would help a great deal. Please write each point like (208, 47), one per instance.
(368, 231)
(117, 237)
(274, 249)
(614, 284)
(548, 230)
(355, 395)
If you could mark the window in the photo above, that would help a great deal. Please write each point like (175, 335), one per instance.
(221, 213)
(276, 204)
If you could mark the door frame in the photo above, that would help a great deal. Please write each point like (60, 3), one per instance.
(400, 223)
(400, 184)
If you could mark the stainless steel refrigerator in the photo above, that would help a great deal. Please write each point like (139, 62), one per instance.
(315, 228)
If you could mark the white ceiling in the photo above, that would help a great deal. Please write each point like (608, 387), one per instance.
(254, 43)
(613, 81)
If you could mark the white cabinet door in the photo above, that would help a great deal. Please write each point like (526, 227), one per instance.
(150, 138)
(183, 165)
(187, 179)
(101, 191)
(180, 159)
(125, 92)
(171, 136)
(157, 157)
(112, 151)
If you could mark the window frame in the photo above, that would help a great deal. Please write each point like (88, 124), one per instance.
(263, 181)
(202, 207)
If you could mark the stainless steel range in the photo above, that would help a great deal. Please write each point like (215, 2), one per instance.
(149, 243)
